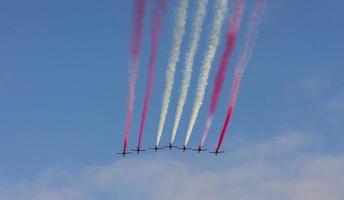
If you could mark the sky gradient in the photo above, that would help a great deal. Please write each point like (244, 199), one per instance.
(63, 92)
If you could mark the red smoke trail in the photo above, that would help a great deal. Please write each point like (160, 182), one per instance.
(222, 69)
(157, 18)
(234, 93)
(138, 15)
(242, 63)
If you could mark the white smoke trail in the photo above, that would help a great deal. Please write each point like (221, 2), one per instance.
(221, 8)
(178, 35)
(189, 58)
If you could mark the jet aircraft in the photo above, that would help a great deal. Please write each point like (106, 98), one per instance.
(123, 153)
(138, 150)
(184, 148)
(199, 149)
(170, 146)
(216, 152)
(156, 148)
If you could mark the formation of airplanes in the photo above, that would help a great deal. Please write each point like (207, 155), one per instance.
(170, 146)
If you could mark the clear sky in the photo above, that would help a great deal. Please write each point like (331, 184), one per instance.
(63, 91)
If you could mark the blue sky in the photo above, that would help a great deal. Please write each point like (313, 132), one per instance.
(63, 91)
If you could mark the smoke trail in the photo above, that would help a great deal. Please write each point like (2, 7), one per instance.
(189, 58)
(138, 15)
(242, 63)
(220, 12)
(157, 18)
(223, 66)
(178, 35)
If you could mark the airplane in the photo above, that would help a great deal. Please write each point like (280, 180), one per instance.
(184, 148)
(199, 149)
(170, 146)
(124, 153)
(216, 152)
(156, 148)
(138, 150)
